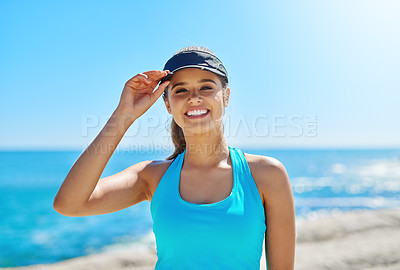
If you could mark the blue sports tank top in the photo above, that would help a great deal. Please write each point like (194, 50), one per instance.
(224, 235)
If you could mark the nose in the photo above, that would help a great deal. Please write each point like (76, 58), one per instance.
(194, 97)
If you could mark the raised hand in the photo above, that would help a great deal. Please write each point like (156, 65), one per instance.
(139, 95)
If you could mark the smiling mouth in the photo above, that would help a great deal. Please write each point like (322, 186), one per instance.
(197, 115)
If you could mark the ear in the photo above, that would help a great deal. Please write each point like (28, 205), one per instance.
(167, 105)
(226, 96)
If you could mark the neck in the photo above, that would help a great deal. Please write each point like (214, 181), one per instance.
(206, 151)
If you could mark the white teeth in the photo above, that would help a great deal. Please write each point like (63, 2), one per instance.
(197, 112)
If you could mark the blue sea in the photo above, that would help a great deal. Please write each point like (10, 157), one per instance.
(31, 232)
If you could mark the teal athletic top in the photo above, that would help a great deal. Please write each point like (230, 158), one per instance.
(224, 235)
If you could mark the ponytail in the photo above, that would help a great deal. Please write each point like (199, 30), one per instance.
(178, 139)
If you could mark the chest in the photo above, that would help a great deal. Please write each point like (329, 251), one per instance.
(205, 187)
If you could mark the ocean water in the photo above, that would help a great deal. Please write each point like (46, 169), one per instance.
(31, 232)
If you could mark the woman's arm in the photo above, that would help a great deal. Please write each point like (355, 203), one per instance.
(279, 209)
(82, 193)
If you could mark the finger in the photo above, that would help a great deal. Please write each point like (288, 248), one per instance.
(156, 75)
(158, 92)
(153, 72)
(157, 80)
(164, 74)
(144, 78)
(141, 76)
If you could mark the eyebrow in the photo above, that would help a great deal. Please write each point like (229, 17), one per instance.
(200, 81)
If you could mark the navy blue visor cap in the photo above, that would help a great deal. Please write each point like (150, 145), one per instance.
(194, 59)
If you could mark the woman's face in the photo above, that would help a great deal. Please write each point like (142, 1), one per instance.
(196, 100)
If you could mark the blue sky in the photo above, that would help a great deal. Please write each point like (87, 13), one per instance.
(303, 74)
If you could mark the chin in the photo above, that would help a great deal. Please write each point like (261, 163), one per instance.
(206, 129)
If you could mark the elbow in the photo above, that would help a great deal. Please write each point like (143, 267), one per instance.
(62, 208)
(58, 207)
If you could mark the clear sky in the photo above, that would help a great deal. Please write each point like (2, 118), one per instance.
(303, 74)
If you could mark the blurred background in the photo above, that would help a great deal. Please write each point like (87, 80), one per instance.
(313, 84)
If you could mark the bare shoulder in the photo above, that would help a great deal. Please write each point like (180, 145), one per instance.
(151, 172)
(267, 168)
(269, 174)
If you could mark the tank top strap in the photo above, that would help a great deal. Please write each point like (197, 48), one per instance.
(165, 188)
(246, 178)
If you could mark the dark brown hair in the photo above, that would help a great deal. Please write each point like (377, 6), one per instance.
(177, 136)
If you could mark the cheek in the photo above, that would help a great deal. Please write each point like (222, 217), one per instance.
(219, 99)
(219, 96)
(175, 105)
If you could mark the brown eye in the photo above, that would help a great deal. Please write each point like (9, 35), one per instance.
(181, 90)
(206, 88)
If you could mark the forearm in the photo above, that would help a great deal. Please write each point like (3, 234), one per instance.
(84, 175)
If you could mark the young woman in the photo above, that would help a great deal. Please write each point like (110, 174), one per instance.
(211, 203)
